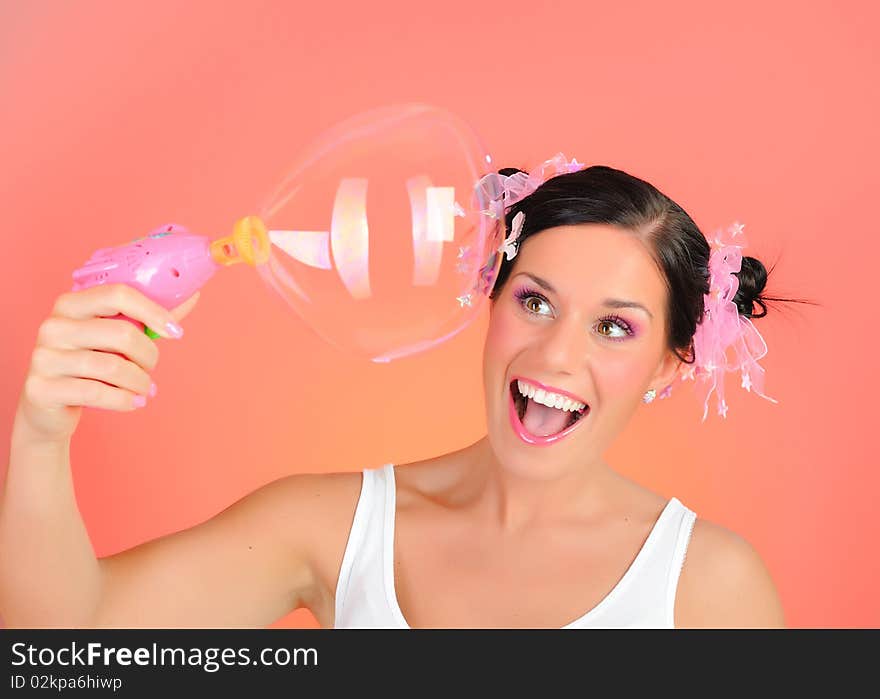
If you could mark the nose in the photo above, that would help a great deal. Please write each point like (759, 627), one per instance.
(565, 345)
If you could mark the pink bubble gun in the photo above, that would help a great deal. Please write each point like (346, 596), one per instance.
(170, 264)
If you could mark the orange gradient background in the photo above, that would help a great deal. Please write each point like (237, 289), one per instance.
(119, 117)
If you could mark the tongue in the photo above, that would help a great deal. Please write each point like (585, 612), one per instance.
(542, 421)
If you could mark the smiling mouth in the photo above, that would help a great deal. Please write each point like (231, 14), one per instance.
(521, 403)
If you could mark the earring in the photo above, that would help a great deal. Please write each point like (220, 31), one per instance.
(649, 396)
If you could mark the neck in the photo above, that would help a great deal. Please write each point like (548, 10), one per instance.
(514, 498)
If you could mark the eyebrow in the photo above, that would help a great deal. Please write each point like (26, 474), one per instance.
(610, 303)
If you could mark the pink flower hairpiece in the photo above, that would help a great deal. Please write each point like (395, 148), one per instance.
(520, 184)
(723, 327)
(503, 191)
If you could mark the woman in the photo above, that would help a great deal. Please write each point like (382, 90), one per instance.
(594, 309)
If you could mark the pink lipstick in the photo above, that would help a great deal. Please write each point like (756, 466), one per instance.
(527, 436)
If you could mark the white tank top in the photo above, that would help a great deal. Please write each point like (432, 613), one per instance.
(365, 597)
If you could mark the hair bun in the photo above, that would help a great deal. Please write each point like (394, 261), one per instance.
(752, 280)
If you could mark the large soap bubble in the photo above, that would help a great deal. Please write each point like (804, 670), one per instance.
(385, 236)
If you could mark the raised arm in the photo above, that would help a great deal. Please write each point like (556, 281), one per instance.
(246, 566)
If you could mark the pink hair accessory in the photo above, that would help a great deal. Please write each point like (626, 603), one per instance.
(723, 327)
(520, 185)
(503, 191)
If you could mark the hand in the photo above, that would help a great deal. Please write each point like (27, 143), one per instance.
(73, 364)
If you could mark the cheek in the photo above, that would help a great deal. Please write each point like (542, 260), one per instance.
(502, 337)
(621, 375)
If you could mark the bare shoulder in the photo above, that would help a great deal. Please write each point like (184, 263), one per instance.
(312, 514)
(304, 499)
(320, 507)
(724, 583)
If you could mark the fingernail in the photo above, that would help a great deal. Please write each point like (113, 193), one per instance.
(139, 401)
(174, 329)
(153, 389)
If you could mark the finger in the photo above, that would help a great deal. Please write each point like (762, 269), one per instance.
(58, 392)
(88, 364)
(110, 299)
(102, 334)
(184, 309)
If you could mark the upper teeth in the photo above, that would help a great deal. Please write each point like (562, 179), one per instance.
(548, 398)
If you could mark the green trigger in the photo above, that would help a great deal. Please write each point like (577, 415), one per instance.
(150, 333)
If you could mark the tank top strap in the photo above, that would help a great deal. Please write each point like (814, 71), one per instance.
(645, 596)
(361, 575)
(683, 525)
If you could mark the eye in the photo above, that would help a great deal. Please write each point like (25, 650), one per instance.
(531, 301)
(620, 323)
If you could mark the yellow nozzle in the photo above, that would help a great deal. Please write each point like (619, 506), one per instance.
(249, 243)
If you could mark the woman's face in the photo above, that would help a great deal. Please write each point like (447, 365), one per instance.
(556, 323)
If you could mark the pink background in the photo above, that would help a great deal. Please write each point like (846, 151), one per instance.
(118, 117)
